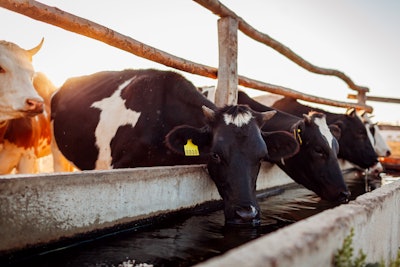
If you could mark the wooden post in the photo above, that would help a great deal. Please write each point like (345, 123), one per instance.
(226, 92)
(361, 98)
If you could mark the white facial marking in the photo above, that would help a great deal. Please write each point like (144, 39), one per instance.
(113, 115)
(239, 120)
(323, 128)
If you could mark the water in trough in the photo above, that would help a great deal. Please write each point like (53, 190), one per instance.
(188, 239)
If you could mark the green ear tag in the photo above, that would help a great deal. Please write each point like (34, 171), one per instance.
(191, 149)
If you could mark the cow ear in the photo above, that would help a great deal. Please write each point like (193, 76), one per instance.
(335, 130)
(280, 145)
(297, 130)
(196, 141)
(299, 126)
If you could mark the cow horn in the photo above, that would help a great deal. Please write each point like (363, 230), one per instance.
(209, 113)
(268, 114)
(307, 118)
(262, 117)
(36, 49)
(350, 112)
(361, 112)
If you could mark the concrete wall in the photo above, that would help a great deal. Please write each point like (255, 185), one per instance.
(375, 218)
(38, 209)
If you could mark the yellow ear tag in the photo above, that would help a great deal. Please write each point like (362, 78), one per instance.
(191, 149)
(298, 135)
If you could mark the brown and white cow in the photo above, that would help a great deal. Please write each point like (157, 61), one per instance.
(27, 139)
(18, 97)
(134, 118)
(20, 102)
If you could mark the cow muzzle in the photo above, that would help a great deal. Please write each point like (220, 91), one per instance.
(33, 106)
(344, 197)
(248, 215)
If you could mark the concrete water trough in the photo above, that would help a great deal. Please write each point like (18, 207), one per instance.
(44, 209)
(374, 217)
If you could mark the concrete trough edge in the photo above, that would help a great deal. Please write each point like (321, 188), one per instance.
(46, 208)
(374, 216)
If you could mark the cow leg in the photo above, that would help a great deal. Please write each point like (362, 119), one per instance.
(10, 155)
(28, 162)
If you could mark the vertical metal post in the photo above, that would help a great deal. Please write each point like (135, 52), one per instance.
(226, 92)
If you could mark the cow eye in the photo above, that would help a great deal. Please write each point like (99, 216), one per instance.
(361, 132)
(215, 157)
(2, 70)
(319, 151)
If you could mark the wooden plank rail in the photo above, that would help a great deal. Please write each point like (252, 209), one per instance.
(70, 22)
(377, 99)
(219, 9)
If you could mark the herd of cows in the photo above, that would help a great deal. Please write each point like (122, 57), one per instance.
(142, 118)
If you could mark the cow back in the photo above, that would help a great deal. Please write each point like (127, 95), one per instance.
(131, 110)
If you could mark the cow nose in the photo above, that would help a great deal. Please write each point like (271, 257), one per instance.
(247, 214)
(344, 196)
(388, 153)
(376, 169)
(33, 105)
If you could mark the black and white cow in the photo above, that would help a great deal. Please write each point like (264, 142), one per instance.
(382, 149)
(133, 118)
(315, 166)
(355, 145)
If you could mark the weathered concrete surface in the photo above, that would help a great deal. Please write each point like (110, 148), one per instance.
(375, 218)
(38, 209)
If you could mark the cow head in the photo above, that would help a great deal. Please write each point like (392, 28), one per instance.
(374, 135)
(18, 98)
(315, 166)
(234, 145)
(355, 145)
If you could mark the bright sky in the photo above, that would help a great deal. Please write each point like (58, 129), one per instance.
(358, 37)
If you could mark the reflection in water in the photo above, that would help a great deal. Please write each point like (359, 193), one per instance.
(187, 240)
